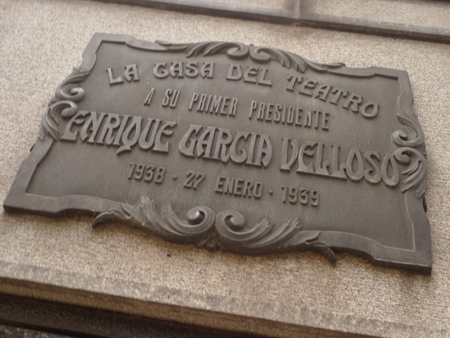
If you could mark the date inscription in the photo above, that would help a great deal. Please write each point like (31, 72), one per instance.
(193, 180)
(304, 196)
(146, 172)
(232, 186)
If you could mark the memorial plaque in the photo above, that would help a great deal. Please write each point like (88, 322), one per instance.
(238, 148)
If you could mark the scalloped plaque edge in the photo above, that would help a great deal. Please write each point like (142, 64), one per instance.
(203, 226)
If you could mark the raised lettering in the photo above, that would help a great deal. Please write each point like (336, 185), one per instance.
(77, 119)
(111, 77)
(355, 156)
(160, 70)
(183, 146)
(234, 72)
(131, 73)
(166, 131)
(306, 150)
(131, 134)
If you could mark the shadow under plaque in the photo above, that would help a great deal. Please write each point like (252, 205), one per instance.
(240, 148)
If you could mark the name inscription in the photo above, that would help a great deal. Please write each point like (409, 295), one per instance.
(261, 149)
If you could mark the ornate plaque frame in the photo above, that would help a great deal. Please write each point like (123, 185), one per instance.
(399, 172)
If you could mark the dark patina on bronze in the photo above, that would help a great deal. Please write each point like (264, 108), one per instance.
(240, 148)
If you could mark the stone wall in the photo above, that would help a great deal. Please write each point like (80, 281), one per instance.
(117, 268)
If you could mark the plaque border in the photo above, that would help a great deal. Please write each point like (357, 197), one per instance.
(264, 237)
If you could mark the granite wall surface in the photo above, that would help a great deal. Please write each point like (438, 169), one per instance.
(117, 268)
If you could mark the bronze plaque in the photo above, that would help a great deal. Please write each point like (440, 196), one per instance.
(240, 148)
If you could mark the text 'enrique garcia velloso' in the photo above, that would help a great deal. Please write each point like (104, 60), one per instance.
(224, 145)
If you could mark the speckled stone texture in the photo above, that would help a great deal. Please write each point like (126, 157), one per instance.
(14, 332)
(117, 268)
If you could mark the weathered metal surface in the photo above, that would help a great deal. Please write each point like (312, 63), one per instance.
(240, 148)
